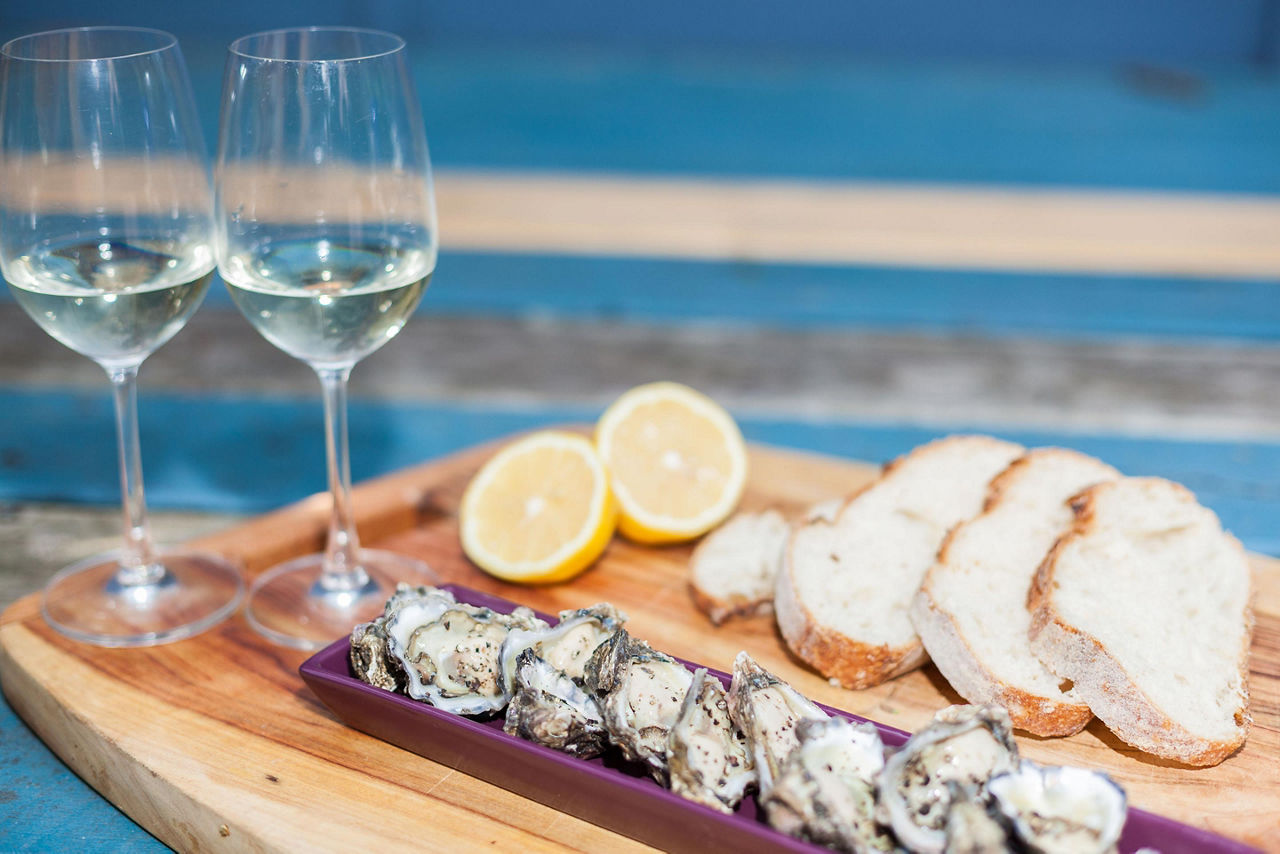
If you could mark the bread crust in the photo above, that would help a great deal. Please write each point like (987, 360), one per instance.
(956, 659)
(1110, 691)
(838, 657)
(842, 659)
(720, 609)
(964, 671)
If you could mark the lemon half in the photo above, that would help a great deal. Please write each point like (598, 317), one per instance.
(540, 510)
(676, 461)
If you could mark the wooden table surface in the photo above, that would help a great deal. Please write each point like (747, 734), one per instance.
(854, 256)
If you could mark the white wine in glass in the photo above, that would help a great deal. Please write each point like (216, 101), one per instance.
(106, 240)
(326, 240)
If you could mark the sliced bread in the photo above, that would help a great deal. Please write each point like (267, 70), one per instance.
(842, 595)
(733, 570)
(971, 609)
(1145, 606)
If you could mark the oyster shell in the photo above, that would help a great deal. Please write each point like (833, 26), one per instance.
(965, 745)
(451, 661)
(1056, 810)
(826, 791)
(566, 646)
(547, 707)
(371, 657)
(640, 692)
(706, 754)
(971, 828)
(767, 710)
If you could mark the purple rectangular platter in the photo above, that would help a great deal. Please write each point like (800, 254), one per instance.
(608, 791)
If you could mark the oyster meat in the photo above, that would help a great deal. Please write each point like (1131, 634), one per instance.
(706, 754)
(371, 657)
(566, 646)
(767, 711)
(965, 745)
(640, 692)
(452, 661)
(826, 791)
(547, 707)
(1057, 810)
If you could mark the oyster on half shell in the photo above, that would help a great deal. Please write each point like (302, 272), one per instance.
(640, 692)
(706, 754)
(1057, 810)
(568, 645)
(452, 661)
(826, 791)
(767, 711)
(547, 707)
(965, 746)
(370, 655)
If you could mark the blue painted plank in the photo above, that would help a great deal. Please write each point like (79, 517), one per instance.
(964, 123)
(45, 807)
(839, 118)
(792, 296)
(799, 297)
(1087, 30)
(856, 115)
(250, 455)
(880, 298)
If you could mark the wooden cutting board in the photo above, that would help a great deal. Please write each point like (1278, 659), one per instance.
(214, 743)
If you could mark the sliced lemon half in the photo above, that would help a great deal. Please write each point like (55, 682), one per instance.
(676, 461)
(540, 510)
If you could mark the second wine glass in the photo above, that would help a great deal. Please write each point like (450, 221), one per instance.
(326, 239)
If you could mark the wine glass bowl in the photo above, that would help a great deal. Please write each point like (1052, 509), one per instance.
(106, 240)
(327, 240)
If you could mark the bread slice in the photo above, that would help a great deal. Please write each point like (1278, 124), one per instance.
(733, 570)
(1145, 606)
(971, 609)
(845, 585)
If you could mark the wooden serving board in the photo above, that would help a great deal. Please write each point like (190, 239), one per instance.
(214, 743)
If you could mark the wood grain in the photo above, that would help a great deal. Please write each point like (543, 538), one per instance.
(215, 744)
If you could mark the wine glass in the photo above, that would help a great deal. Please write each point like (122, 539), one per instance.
(106, 232)
(326, 239)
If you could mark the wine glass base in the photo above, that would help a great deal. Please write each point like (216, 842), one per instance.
(289, 606)
(86, 602)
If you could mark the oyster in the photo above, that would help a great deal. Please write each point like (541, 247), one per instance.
(370, 655)
(707, 756)
(966, 745)
(566, 646)
(547, 707)
(971, 828)
(767, 710)
(451, 661)
(1057, 810)
(640, 692)
(826, 791)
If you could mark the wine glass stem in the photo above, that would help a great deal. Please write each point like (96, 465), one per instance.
(138, 565)
(342, 570)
